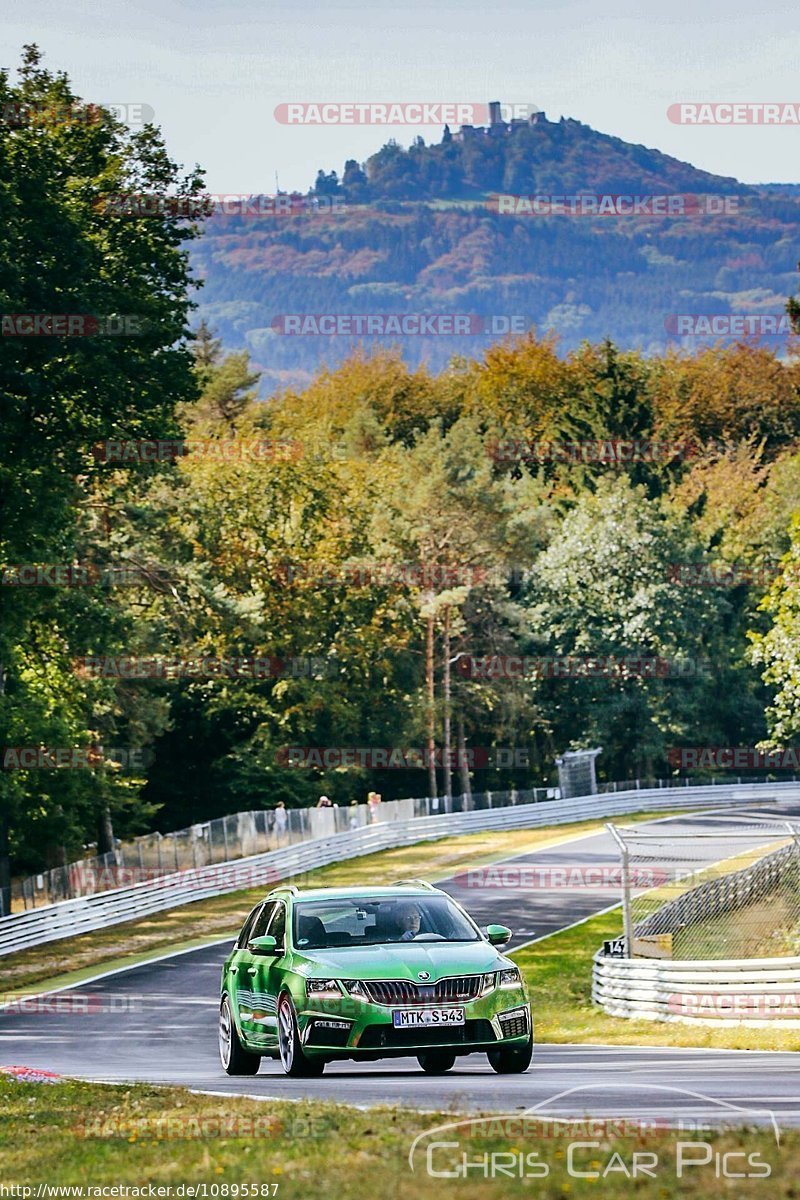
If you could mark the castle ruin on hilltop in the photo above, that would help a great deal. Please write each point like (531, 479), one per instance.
(497, 127)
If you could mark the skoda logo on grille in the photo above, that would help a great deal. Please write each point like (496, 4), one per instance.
(424, 975)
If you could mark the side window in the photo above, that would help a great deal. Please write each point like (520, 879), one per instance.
(262, 921)
(278, 924)
(244, 936)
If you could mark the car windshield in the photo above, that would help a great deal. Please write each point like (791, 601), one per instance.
(356, 921)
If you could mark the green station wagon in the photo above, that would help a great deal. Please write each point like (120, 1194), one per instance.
(368, 973)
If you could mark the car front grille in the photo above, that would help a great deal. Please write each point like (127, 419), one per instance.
(379, 1037)
(458, 989)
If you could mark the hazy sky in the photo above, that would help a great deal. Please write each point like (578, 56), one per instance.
(214, 71)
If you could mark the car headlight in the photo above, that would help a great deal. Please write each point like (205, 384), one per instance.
(510, 977)
(489, 983)
(354, 987)
(323, 987)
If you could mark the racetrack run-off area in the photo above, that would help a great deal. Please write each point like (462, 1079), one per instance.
(157, 1022)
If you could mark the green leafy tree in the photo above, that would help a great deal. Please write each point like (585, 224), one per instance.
(66, 248)
(603, 589)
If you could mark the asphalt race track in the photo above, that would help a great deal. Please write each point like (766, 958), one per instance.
(157, 1023)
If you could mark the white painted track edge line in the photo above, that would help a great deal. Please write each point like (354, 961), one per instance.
(68, 987)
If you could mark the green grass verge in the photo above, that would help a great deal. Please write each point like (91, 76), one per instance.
(58, 964)
(96, 1136)
(559, 974)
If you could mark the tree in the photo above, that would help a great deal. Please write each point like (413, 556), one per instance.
(777, 651)
(604, 590)
(228, 391)
(442, 511)
(67, 248)
(206, 349)
(327, 185)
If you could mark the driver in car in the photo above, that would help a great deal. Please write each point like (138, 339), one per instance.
(409, 920)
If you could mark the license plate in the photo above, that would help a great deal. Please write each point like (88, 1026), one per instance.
(409, 1018)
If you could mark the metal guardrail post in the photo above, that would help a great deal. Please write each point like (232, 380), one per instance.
(627, 924)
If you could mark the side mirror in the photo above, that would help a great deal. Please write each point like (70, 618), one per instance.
(498, 935)
(265, 945)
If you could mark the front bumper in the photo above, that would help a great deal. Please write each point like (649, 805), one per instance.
(362, 1029)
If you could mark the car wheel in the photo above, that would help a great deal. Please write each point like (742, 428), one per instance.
(436, 1062)
(511, 1060)
(235, 1059)
(293, 1060)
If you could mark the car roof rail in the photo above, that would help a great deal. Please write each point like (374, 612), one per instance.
(423, 883)
(285, 887)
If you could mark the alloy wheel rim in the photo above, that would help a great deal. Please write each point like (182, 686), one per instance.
(286, 1035)
(225, 1034)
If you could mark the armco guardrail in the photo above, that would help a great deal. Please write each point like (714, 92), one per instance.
(748, 991)
(70, 917)
(244, 834)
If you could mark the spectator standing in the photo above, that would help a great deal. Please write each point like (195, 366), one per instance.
(281, 821)
(373, 801)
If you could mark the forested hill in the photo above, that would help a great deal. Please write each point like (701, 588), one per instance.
(550, 156)
(415, 231)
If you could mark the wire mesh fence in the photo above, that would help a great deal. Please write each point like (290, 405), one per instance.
(722, 888)
(156, 855)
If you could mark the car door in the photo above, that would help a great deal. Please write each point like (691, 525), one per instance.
(231, 979)
(256, 1011)
(267, 971)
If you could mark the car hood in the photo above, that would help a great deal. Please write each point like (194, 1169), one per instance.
(403, 960)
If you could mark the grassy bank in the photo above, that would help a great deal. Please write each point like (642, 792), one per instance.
(559, 973)
(94, 1135)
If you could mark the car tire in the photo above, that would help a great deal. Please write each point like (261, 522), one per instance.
(235, 1059)
(293, 1059)
(511, 1060)
(436, 1062)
